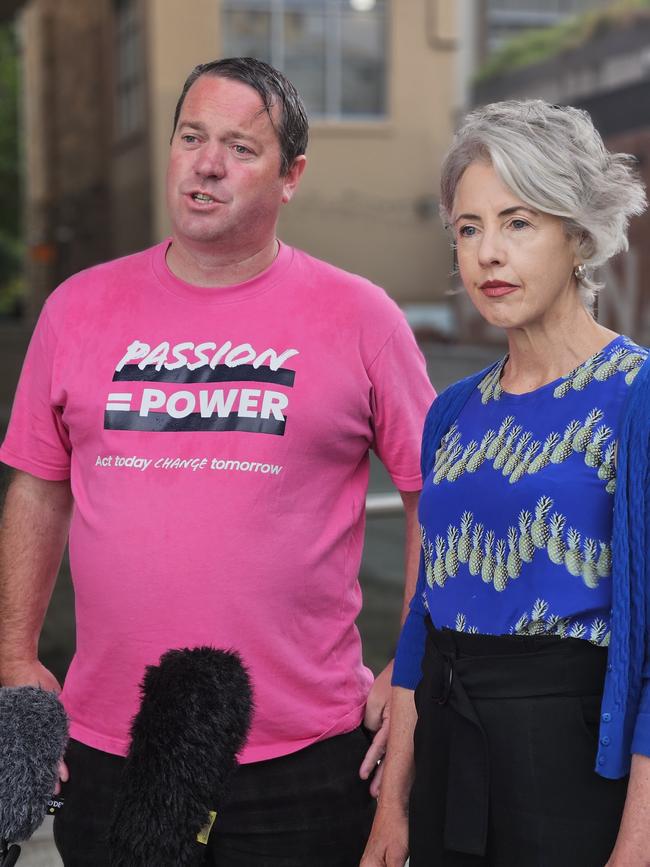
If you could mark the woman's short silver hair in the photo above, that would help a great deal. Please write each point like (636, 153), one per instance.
(554, 160)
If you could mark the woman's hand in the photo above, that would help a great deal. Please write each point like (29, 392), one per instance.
(388, 842)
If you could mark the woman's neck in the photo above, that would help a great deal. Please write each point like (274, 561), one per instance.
(539, 355)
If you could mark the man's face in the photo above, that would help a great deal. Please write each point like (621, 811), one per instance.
(223, 179)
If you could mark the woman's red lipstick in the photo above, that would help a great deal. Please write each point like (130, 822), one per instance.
(497, 288)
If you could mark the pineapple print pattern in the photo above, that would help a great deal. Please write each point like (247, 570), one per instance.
(499, 560)
(476, 554)
(490, 385)
(464, 542)
(539, 622)
(555, 545)
(598, 367)
(500, 571)
(428, 554)
(513, 564)
(461, 624)
(439, 571)
(515, 448)
(572, 558)
(526, 546)
(451, 557)
(539, 530)
(515, 454)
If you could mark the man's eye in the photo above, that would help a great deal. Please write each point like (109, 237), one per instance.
(189, 138)
(240, 149)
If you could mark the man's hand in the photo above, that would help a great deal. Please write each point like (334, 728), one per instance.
(376, 720)
(20, 673)
(34, 674)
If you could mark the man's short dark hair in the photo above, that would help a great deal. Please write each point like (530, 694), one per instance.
(274, 88)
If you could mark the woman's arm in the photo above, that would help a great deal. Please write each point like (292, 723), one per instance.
(388, 843)
(633, 843)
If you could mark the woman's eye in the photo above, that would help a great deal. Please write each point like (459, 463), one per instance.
(519, 224)
(467, 231)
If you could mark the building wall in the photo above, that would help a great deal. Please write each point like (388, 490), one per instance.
(624, 302)
(131, 178)
(66, 139)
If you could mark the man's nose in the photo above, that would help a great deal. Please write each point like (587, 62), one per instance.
(211, 161)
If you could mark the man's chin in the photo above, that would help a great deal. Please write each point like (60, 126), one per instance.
(204, 234)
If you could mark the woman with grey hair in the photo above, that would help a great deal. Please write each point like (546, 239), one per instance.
(527, 740)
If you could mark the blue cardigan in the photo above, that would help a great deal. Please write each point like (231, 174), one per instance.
(625, 709)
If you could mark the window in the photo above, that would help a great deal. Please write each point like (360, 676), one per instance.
(129, 82)
(334, 51)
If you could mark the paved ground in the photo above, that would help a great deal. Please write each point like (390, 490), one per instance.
(381, 572)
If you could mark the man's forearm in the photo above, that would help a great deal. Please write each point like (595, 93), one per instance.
(33, 534)
(411, 548)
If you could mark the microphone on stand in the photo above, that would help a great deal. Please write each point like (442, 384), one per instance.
(193, 720)
(33, 738)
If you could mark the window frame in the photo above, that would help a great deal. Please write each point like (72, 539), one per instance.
(333, 55)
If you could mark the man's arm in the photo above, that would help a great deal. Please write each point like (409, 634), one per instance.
(377, 714)
(33, 534)
(411, 548)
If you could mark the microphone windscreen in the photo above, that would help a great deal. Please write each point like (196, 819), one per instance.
(193, 720)
(33, 737)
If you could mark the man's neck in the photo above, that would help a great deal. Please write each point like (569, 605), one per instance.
(213, 268)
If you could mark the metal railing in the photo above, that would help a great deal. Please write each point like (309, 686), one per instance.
(386, 505)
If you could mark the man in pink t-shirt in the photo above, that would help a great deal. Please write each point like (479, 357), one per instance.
(197, 418)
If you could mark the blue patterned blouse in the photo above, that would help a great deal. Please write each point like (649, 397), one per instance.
(516, 515)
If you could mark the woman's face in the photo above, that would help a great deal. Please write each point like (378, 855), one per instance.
(516, 263)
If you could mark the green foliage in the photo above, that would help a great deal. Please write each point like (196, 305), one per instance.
(536, 46)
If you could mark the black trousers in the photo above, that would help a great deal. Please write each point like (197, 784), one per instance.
(307, 809)
(505, 746)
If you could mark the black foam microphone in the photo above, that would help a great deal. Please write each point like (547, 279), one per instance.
(193, 720)
(33, 737)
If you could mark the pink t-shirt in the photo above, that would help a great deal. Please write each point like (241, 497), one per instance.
(216, 442)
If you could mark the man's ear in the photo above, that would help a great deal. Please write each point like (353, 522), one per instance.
(291, 179)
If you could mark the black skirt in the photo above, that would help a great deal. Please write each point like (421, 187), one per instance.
(505, 747)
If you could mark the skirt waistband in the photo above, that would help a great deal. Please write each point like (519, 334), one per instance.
(513, 666)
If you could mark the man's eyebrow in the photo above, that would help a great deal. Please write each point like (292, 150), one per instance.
(505, 213)
(239, 133)
(191, 124)
(228, 134)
